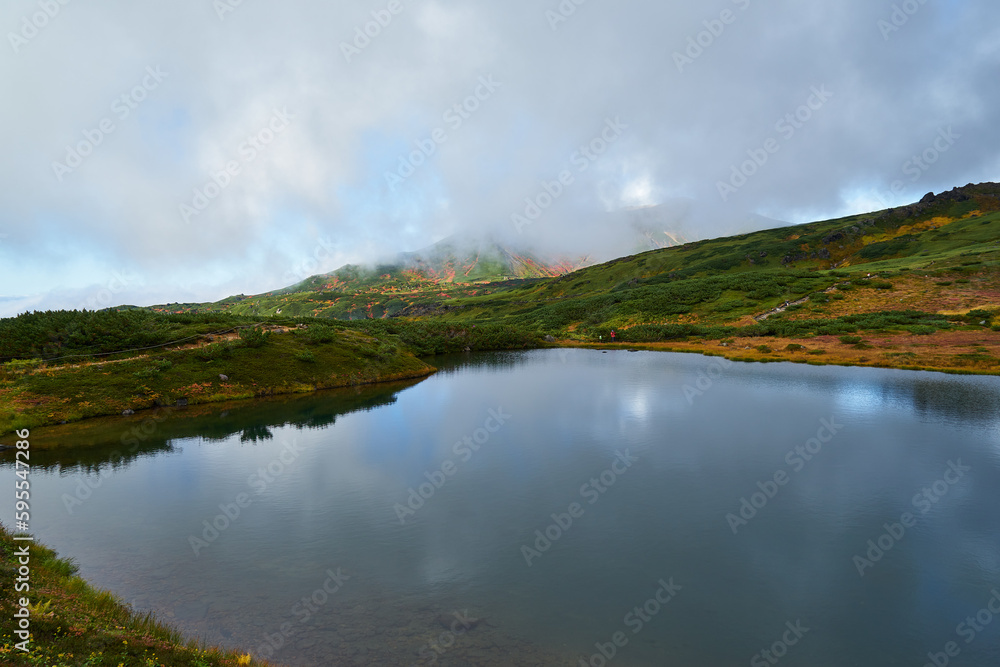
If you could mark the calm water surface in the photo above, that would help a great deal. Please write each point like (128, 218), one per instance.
(696, 511)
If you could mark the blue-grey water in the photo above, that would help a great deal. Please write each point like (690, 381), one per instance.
(586, 508)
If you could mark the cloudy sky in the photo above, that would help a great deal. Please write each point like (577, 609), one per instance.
(163, 151)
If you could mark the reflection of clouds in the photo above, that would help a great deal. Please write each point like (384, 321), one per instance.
(636, 407)
(858, 398)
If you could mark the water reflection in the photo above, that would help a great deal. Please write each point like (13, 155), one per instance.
(494, 451)
(118, 441)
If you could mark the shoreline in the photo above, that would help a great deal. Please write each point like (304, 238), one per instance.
(216, 399)
(37, 396)
(938, 353)
(819, 351)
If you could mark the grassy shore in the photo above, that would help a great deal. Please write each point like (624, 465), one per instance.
(964, 352)
(35, 393)
(73, 624)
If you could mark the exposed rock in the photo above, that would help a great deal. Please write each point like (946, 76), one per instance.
(763, 253)
(126, 413)
(550, 339)
(836, 236)
(224, 378)
(824, 253)
(182, 402)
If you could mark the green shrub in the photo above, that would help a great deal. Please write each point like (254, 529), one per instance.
(850, 340)
(794, 347)
(386, 351)
(764, 348)
(887, 248)
(22, 365)
(154, 369)
(306, 356)
(318, 334)
(254, 336)
(944, 283)
(214, 351)
(921, 330)
(815, 352)
(728, 306)
(979, 315)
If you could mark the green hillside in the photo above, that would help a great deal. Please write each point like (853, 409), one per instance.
(714, 281)
(730, 280)
(454, 267)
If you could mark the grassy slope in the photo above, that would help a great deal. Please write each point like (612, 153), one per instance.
(728, 280)
(449, 269)
(73, 624)
(290, 362)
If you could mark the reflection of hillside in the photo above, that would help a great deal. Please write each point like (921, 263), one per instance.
(117, 441)
(935, 396)
(977, 403)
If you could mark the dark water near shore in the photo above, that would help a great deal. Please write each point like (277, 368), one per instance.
(371, 517)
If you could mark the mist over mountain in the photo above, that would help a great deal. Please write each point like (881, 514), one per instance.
(234, 147)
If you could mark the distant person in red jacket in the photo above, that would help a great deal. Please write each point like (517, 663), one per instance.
(612, 335)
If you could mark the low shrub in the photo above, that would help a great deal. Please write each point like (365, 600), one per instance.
(154, 369)
(254, 336)
(318, 334)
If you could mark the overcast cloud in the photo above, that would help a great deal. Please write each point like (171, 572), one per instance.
(309, 129)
